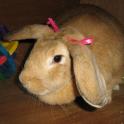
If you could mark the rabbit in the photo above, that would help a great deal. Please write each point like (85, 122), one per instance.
(57, 71)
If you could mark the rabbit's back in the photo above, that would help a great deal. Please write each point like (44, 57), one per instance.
(108, 46)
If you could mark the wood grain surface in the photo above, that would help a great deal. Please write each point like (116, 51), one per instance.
(19, 107)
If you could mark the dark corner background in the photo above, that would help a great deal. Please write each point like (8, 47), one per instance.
(16, 13)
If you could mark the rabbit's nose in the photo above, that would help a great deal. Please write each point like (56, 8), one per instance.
(24, 78)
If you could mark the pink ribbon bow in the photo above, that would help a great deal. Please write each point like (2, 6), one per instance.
(85, 41)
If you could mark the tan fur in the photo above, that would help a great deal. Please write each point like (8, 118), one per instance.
(91, 71)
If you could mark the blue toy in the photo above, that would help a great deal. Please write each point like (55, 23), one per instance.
(7, 50)
(8, 68)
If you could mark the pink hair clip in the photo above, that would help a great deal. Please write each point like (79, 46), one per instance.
(85, 41)
(53, 24)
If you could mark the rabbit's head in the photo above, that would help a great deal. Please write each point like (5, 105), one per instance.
(53, 60)
(46, 67)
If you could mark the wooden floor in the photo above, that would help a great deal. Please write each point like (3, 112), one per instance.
(18, 107)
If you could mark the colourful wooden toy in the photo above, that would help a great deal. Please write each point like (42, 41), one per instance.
(7, 51)
(7, 66)
(10, 46)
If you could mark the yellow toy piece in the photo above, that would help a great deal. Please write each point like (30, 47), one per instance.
(10, 46)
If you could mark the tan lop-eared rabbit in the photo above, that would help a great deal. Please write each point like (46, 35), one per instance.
(57, 71)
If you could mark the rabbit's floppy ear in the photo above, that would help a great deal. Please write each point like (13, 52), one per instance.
(89, 80)
(30, 32)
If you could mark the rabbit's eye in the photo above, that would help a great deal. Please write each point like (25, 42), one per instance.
(57, 58)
